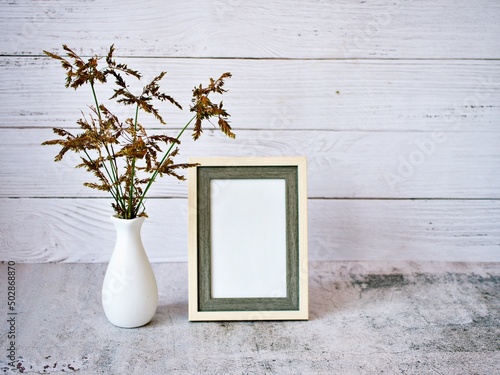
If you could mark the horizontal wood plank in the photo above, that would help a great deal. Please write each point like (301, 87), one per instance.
(277, 95)
(79, 230)
(258, 29)
(340, 164)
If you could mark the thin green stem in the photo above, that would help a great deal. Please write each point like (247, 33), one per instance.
(92, 161)
(165, 156)
(131, 211)
(114, 168)
(95, 100)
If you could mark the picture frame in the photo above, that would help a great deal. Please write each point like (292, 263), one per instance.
(248, 239)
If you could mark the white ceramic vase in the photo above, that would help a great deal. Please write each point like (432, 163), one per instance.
(129, 291)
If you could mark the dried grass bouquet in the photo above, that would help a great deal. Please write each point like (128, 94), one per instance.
(123, 157)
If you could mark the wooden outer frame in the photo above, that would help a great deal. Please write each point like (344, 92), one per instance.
(296, 308)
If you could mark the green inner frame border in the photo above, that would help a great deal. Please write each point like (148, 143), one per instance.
(205, 300)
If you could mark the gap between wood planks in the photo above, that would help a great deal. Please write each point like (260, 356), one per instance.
(281, 58)
(309, 198)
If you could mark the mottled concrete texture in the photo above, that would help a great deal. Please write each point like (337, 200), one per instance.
(365, 318)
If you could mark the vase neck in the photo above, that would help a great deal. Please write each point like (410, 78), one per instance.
(128, 227)
(128, 236)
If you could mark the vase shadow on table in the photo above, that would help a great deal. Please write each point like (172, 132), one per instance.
(170, 313)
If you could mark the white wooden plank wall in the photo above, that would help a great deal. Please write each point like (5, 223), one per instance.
(396, 104)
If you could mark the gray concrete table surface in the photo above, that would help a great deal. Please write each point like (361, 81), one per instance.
(365, 318)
